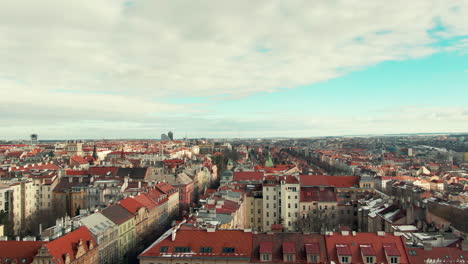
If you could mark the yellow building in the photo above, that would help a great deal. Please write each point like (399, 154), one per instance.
(126, 223)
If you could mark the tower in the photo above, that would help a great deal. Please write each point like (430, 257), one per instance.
(34, 139)
(95, 156)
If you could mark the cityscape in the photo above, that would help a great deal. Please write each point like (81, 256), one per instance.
(211, 132)
(382, 199)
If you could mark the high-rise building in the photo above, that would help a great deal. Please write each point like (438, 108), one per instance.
(170, 135)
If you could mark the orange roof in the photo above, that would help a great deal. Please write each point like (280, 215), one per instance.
(67, 244)
(131, 204)
(19, 251)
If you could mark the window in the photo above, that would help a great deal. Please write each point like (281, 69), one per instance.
(289, 214)
(267, 205)
(303, 207)
(164, 249)
(229, 250)
(267, 197)
(289, 258)
(314, 258)
(393, 260)
(206, 250)
(369, 260)
(267, 214)
(289, 197)
(344, 259)
(267, 223)
(266, 257)
(289, 205)
(182, 249)
(412, 252)
(295, 205)
(274, 197)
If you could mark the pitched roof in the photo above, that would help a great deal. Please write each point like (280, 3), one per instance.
(144, 200)
(117, 214)
(332, 181)
(19, 250)
(68, 243)
(103, 171)
(131, 204)
(438, 255)
(79, 160)
(248, 176)
(356, 245)
(289, 243)
(193, 240)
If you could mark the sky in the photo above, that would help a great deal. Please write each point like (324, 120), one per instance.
(138, 68)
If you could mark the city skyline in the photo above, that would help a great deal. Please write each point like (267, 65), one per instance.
(136, 69)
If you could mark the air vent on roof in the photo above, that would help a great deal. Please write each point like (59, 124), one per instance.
(380, 233)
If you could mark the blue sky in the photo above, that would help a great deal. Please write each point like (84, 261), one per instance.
(136, 69)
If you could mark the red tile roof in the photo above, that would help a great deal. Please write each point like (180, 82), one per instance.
(80, 160)
(194, 240)
(438, 255)
(289, 248)
(103, 171)
(297, 243)
(266, 247)
(332, 181)
(367, 250)
(19, 250)
(68, 243)
(343, 250)
(353, 245)
(144, 200)
(312, 248)
(117, 214)
(248, 175)
(131, 204)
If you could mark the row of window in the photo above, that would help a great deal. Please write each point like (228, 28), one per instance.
(202, 249)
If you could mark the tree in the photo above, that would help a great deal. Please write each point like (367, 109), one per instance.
(316, 221)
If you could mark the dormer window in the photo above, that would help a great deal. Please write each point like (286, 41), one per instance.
(313, 252)
(344, 253)
(266, 251)
(394, 260)
(345, 259)
(369, 260)
(289, 251)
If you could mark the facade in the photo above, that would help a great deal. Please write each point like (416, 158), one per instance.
(106, 233)
(141, 214)
(76, 247)
(126, 229)
(24, 204)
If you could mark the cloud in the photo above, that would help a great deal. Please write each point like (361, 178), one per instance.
(122, 60)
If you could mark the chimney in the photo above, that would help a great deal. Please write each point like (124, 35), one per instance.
(18, 238)
(380, 233)
(427, 246)
(139, 184)
(345, 233)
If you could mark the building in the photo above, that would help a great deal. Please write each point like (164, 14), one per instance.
(76, 247)
(379, 247)
(106, 233)
(141, 214)
(19, 251)
(200, 246)
(126, 229)
(74, 147)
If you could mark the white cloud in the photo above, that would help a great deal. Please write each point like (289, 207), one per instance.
(123, 60)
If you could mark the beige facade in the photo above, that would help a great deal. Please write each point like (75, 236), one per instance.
(290, 195)
(253, 212)
(24, 204)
